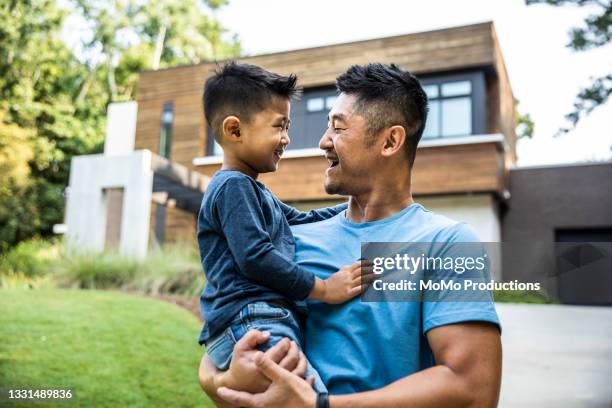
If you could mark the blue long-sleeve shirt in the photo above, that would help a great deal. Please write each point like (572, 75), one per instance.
(247, 249)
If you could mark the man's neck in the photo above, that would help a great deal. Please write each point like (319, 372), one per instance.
(378, 204)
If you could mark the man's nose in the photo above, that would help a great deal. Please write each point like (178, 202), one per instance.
(326, 142)
(285, 139)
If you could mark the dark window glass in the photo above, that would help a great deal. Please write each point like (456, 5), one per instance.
(165, 134)
(212, 147)
(456, 105)
(309, 117)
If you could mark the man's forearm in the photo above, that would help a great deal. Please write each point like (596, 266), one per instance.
(468, 373)
(437, 386)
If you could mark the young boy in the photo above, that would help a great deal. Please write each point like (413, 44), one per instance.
(246, 245)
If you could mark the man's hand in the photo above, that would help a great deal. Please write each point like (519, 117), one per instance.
(243, 373)
(286, 390)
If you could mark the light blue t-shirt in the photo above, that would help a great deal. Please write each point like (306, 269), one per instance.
(359, 346)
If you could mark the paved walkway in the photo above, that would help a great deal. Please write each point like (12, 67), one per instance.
(556, 356)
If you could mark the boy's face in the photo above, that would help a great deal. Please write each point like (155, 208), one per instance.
(265, 137)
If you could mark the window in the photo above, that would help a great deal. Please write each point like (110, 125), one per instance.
(309, 117)
(212, 147)
(456, 105)
(315, 104)
(165, 134)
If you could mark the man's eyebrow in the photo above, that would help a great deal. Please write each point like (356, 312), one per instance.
(337, 116)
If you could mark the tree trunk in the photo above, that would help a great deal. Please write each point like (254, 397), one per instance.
(85, 87)
(159, 47)
(112, 85)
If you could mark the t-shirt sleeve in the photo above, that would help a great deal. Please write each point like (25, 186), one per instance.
(296, 217)
(238, 212)
(448, 307)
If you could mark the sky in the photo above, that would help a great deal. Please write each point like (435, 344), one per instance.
(545, 75)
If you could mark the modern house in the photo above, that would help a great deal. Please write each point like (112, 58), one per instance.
(463, 160)
(148, 185)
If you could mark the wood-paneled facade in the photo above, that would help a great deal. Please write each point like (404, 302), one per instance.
(479, 167)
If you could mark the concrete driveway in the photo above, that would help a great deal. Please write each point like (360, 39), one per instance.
(556, 356)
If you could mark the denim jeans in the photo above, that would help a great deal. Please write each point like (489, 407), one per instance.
(263, 316)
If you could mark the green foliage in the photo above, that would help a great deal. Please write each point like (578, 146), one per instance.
(112, 349)
(517, 296)
(94, 271)
(38, 79)
(172, 269)
(29, 258)
(53, 103)
(524, 123)
(596, 32)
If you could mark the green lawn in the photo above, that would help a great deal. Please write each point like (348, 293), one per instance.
(112, 349)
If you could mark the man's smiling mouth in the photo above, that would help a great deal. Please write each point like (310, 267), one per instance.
(333, 161)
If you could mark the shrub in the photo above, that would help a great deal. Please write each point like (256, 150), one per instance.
(29, 258)
(518, 296)
(172, 269)
(85, 270)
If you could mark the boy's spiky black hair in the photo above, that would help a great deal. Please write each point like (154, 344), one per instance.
(387, 96)
(242, 90)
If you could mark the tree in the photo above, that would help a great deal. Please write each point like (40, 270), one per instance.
(524, 123)
(596, 32)
(129, 36)
(53, 104)
(40, 127)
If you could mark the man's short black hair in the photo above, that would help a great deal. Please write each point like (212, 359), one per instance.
(387, 96)
(242, 90)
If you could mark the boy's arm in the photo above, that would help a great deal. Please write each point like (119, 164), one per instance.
(239, 216)
(295, 216)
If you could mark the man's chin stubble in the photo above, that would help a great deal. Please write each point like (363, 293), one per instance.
(333, 189)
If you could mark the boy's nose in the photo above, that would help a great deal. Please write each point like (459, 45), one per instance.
(285, 139)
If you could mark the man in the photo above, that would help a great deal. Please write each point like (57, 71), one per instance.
(374, 354)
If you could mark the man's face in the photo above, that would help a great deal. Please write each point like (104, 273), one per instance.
(351, 159)
(264, 139)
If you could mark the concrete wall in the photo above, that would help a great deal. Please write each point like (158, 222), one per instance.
(478, 210)
(120, 128)
(86, 210)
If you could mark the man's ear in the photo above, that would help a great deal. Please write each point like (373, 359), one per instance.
(231, 129)
(394, 140)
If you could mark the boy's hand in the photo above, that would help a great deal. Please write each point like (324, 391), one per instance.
(345, 284)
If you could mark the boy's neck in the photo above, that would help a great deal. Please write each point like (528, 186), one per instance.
(233, 163)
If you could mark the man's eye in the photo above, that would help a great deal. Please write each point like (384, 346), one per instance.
(338, 130)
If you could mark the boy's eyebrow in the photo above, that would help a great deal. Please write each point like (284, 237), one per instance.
(284, 119)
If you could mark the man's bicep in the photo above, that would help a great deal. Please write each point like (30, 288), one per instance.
(471, 350)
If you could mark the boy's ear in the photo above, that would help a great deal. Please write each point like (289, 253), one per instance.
(231, 129)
